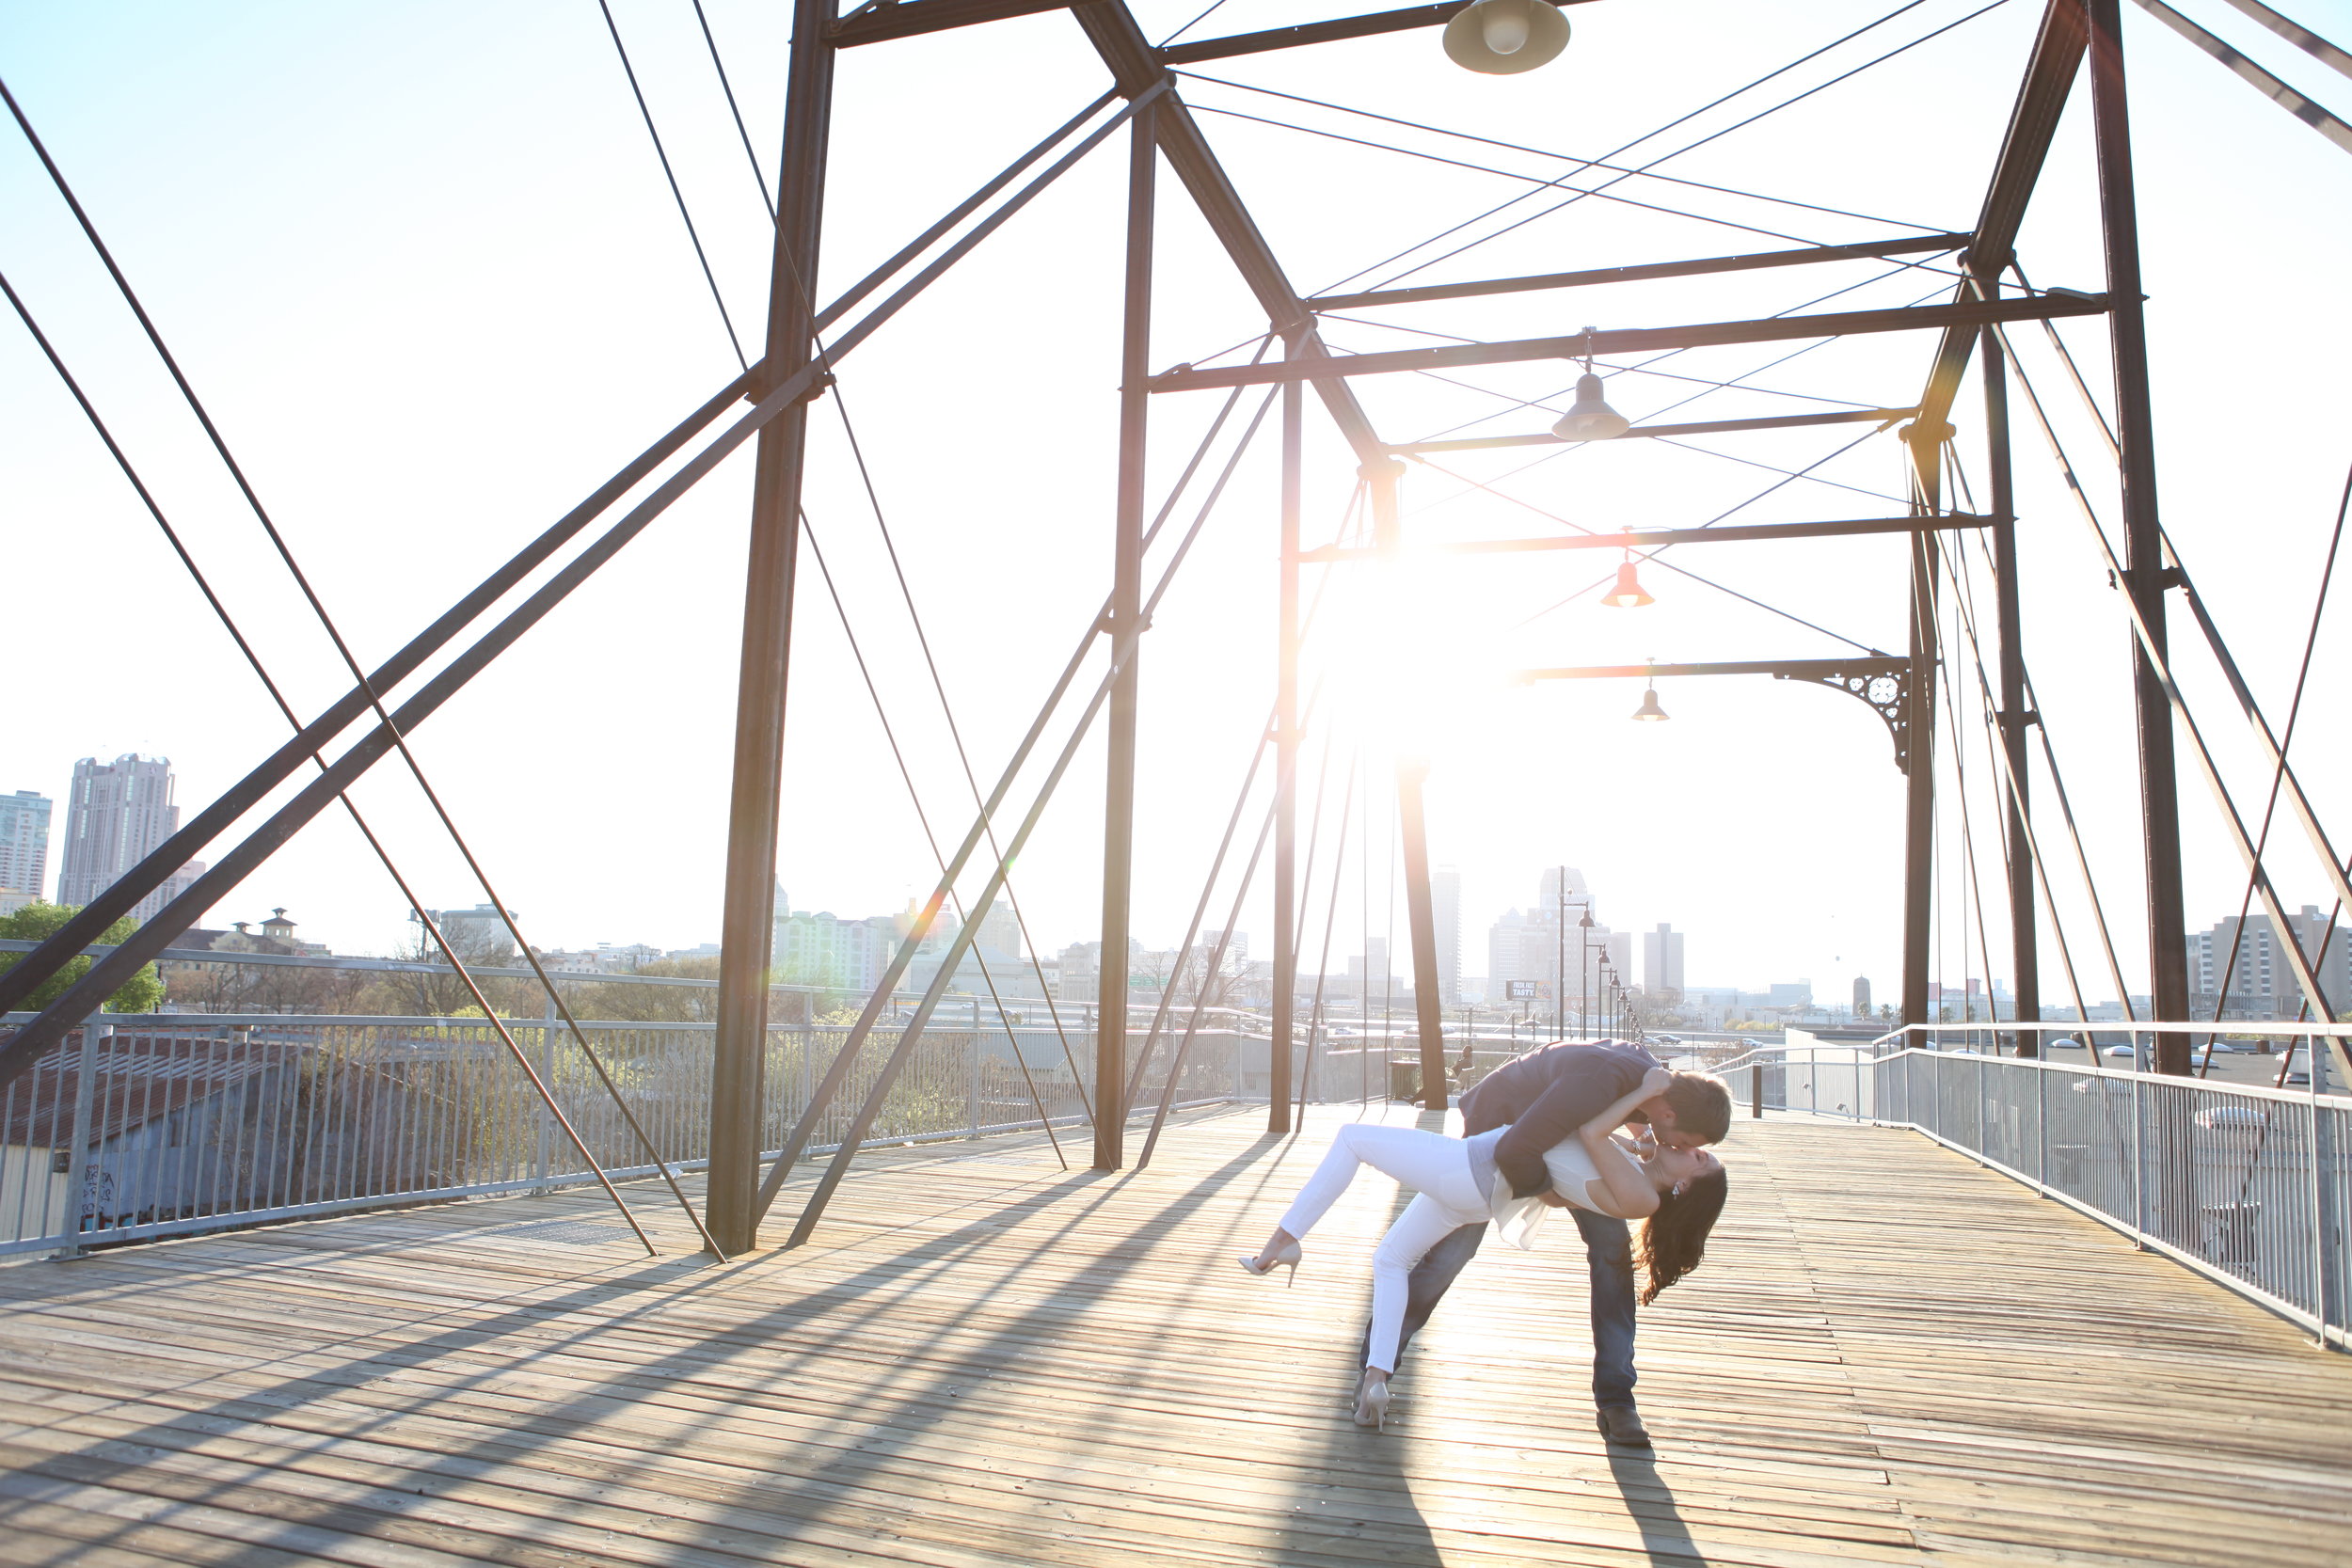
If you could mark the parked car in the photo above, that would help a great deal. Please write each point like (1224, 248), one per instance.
(2062, 1043)
(2117, 1051)
(2230, 1115)
(2298, 1080)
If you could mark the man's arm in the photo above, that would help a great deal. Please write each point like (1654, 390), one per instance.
(1588, 1085)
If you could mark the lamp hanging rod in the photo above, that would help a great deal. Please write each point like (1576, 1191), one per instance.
(1909, 244)
(1704, 427)
(1658, 538)
(1641, 340)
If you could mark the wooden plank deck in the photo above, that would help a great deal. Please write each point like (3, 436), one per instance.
(1891, 1357)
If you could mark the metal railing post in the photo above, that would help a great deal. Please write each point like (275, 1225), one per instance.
(972, 1090)
(83, 1183)
(2041, 1123)
(2325, 1262)
(2139, 1160)
(1756, 1088)
(1984, 1113)
(548, 1023)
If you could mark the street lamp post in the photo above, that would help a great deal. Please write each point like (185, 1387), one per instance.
(1584, 971)
(1560, 966)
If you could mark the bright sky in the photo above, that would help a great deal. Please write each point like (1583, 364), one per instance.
(423, 265)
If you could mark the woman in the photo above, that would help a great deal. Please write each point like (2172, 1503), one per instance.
(1679, 1193)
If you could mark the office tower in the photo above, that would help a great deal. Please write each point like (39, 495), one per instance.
(1661, 962)
(479, 935)
(23, 848)
(1861, 996)
(1445, 901)
(116, 815)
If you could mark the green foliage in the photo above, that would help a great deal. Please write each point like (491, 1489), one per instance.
(38, 921)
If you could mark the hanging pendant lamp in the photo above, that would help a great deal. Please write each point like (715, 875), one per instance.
(1590, 417)
(1500, 37)
(1628, 593)
(1649, 712)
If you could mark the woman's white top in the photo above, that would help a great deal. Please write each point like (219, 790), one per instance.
(1518, 1219)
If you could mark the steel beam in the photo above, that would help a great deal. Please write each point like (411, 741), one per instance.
(1658, 538)
(1111, 27)
(2050, 72)
(2025, 956)
(1785, 669)
(1286, 738)
(1702, 427)
(1926, 443)
(1119, 806)
(1910, 245)
(1421, 920)
(1646, 339)
(2143, 540)
(117, 899)
(885, 19)
(747, 921)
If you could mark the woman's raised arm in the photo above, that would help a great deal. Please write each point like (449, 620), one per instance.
(1631, 1195)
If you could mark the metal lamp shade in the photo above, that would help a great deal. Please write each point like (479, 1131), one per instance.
(1500, 37)
(1649, 712)
(1589, 417)
(1628, 593)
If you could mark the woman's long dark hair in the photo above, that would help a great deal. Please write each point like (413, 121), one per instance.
(1675, 1238)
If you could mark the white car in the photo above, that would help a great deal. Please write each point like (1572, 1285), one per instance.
(2230, 1115)
(2117, 1051)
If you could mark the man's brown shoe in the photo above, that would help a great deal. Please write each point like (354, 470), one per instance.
(1622, 1423)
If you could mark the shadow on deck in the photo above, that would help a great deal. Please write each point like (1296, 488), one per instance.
(1890, 1356)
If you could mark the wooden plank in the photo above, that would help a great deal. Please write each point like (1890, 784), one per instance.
(1890, 1356)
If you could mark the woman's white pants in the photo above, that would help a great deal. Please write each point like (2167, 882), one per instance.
(1437, 1167)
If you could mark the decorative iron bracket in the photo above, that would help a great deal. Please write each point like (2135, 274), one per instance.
(1883, 684)
(1880, 680)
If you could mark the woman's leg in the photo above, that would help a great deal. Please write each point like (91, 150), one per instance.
(1426, 1162)
(1424, 1222)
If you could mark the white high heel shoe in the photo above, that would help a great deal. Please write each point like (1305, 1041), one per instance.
(1372, 1404)
(1286, 1257)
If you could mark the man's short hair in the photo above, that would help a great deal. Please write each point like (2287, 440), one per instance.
(1702, 1106)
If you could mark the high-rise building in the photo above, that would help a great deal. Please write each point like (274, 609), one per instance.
(1548, 946)
(1661, 962)
(23, 848)
(116, 815)
(2261, 982)
(1861, 996)
(1445, 902)
(479, 935)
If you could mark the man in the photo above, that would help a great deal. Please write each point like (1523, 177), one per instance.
(1544, 1096)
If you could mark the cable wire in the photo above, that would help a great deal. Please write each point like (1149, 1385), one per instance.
(637, 93)
(359, 675)
(1546, 152)
(914, 797)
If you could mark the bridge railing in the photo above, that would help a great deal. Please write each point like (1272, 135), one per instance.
(2249, 1184)
(144, 1126)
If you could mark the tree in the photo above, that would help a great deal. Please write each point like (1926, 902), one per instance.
(38, 921)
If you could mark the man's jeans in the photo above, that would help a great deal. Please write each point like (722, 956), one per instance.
(1608, 1251)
